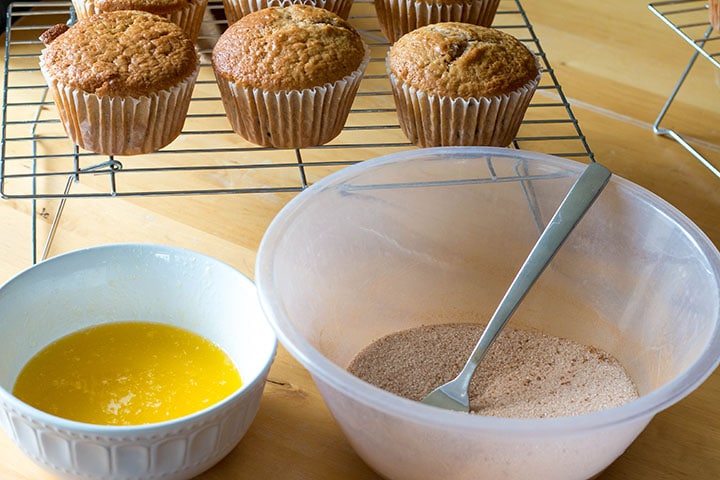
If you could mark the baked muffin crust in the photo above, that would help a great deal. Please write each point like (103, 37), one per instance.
(462, 60)
(159, 7)
(288, 48)
(123, 53)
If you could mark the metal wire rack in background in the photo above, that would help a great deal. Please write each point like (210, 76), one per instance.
(689, 19)
(38, 161)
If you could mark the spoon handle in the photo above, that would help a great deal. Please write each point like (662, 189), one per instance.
(577, 201)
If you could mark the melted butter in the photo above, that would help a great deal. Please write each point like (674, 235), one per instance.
(127, 373)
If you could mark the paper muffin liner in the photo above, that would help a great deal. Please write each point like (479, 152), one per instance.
(294, 118)
(236, 9)
(433, 120)
(189, 18)
(84, 8)
(398, 17)
(122, 125)
(714, 14)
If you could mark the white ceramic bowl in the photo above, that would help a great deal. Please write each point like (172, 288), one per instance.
(132, 282)
(426, 235)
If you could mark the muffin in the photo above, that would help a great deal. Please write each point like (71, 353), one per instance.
(398, 17)
(460, 84)
(714, 11)
(188, 14)
(236, 9)
(288, 75)
(122, 81)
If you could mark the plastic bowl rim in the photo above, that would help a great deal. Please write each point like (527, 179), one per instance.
(641, 409)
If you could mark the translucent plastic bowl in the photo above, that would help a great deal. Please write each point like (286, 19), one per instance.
(133, 282)
(427, 235)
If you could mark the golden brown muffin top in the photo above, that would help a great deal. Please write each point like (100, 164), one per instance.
(462, 60)
(124, 53)
(159, 7)
(288, 48)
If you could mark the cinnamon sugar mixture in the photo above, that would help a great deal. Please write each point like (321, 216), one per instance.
(525, 374)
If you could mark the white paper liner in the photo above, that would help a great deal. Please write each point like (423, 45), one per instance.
(398, 17)
(189, 18)
(84, 8)
(236, 9)
(122, 125)
(435, 120)
(291, 119)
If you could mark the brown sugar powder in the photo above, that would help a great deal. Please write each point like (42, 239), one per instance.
(525, 374)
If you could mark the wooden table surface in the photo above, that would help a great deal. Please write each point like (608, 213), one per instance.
(616, 62)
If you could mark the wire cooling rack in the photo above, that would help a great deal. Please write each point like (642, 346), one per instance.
(689, 19)
(39, 161)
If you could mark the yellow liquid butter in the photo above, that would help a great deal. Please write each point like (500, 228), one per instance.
(127, 373)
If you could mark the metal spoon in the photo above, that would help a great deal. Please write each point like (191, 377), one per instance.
(453, 395)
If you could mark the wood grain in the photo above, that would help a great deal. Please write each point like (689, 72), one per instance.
(617, 63)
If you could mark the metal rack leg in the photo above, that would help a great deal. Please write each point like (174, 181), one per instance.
(301, 168)
(673, 134)
(33, 210)
(111, 165)
(56, 220)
